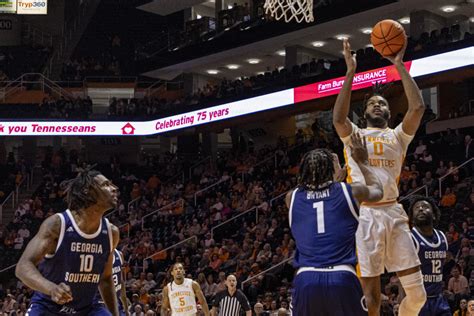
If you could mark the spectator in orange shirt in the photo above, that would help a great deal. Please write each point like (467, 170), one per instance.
(144, 296)
(153, 182)
(215, 262)
(453, 232)
(224, 254)
(448, 199)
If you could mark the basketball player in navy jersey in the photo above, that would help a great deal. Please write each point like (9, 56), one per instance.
(71, 255)
(323, 217)
(432, 246)
(118, 277)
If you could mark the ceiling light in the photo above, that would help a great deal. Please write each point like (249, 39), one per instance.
(281, 52)
(213, 72)
(198, 16)
(229, 7)
(471, 19)
(318, 44)
(232, 66)
(448, 8)
(404, 20)
(366, 30)
(253, 61)
(342, 37)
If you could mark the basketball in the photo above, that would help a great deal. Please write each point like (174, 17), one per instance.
(388, 37)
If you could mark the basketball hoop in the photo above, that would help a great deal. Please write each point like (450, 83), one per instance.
(300, 10)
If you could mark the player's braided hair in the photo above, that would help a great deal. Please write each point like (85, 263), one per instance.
(380, 89)
(416, 198)
(316, 169)
(81, 190)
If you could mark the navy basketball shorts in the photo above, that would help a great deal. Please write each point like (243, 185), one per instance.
(327, 292)
(436, 306)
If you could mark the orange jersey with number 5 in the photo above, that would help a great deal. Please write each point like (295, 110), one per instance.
(387, 150)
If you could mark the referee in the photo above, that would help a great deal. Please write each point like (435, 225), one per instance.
(231, 301)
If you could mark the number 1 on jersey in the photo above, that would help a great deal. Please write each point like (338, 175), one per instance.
(319, 206)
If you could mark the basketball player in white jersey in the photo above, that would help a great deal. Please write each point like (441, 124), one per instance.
(383, 236)
(179, 296)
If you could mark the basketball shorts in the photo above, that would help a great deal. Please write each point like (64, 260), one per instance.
(436, 306)
(384, 240)
(36, 309)
(100, 306)
(332, 291)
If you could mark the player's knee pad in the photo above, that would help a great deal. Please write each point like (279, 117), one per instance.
(414, 289)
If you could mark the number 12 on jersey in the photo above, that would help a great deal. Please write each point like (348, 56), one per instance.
(319, 206)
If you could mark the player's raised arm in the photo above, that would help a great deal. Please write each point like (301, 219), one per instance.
(341, 107)
(201, 298)
(372, 191)
(416, 106)
(43, 243)
(106, 285)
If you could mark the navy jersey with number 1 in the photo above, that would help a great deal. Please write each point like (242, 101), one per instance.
(324, 223)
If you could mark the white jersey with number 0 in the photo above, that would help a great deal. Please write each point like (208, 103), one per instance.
(387, 149)
(182, 298)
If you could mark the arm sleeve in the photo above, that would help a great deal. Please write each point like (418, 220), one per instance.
(244, 301)
(347, 140)
(403, 137)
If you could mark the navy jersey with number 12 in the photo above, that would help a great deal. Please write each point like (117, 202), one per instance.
(432, 253)
(324, 223)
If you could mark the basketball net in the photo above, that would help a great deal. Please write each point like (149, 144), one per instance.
(300, 10)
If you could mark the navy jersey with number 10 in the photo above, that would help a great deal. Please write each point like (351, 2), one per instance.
(324, 223)
(79, 262)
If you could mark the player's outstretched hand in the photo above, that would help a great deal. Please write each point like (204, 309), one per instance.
(61, 294)
(359, 148)
(351, 61)
(341, 173)
(398, 58)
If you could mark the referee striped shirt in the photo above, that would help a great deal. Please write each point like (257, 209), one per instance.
(230, 305)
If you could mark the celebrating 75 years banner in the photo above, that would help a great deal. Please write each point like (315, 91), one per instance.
(290, 97)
